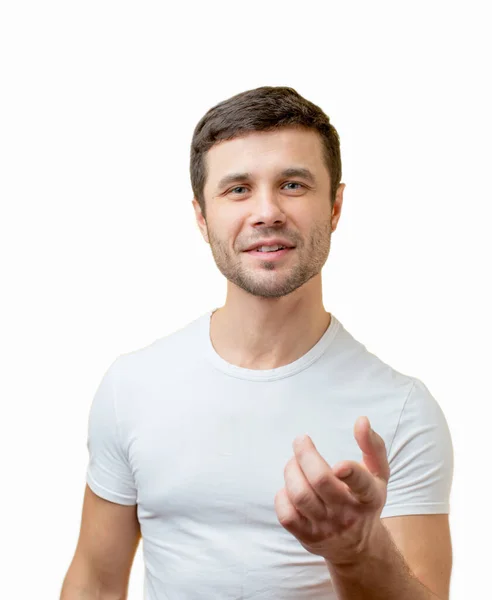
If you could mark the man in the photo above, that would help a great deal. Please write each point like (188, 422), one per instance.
(194, 440)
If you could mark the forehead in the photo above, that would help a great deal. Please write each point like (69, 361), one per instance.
(265, 153)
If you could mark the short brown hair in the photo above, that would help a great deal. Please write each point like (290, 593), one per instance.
(262, 109)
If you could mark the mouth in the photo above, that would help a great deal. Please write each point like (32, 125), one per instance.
(269, 255)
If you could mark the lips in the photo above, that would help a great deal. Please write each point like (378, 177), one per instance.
(274, 255)
(270, 243)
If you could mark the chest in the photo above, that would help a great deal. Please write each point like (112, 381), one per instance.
(229, 454)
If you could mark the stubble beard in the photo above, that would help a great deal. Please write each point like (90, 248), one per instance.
(267, 279)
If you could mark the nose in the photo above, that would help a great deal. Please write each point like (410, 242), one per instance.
(267, 210)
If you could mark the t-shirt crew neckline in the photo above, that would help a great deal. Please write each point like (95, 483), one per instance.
(288, 370)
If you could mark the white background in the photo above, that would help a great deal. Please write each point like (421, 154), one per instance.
(101, 254)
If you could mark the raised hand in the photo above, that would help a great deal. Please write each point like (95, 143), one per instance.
(335, 512)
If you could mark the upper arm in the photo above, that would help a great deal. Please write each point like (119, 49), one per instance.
(416, 512)
(425, 543)
(110, 530)
(109, 472)
(108, 540)
(420, 457)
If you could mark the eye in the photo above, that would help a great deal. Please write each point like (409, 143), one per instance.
(239, 187)
(294, 183)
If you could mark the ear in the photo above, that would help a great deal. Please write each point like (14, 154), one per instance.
(202, 224)
(336, 211)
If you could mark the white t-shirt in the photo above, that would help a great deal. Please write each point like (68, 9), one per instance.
(200, 445)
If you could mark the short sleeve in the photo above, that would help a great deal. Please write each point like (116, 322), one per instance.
(108, 473)
(420, 458)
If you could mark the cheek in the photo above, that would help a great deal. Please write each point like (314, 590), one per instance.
(228, 236)
(236, 234)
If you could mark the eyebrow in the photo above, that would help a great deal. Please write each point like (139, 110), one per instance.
(290, 172)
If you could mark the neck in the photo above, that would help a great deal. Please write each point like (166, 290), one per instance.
(267, 333)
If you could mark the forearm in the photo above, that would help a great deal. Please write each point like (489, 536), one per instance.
(381, 574)
(74, 588)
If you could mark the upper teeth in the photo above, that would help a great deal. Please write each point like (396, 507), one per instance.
(269, 248)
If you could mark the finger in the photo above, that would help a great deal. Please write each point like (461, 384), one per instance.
(287, 514)
(360, 482)
(373, 448)
(319, 474)
(301, 494)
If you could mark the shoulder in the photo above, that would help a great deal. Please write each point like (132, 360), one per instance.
(160, 356)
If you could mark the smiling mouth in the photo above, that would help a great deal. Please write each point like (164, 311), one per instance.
(269, 255)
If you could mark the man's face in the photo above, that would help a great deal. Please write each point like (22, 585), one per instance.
(267, 205)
